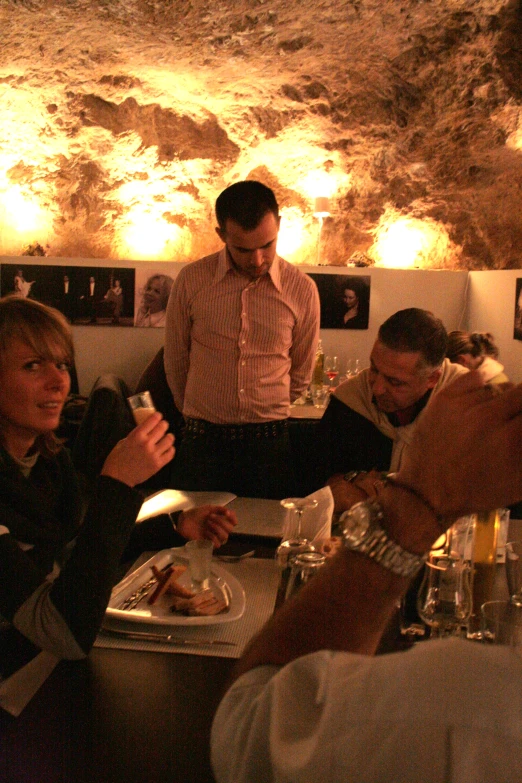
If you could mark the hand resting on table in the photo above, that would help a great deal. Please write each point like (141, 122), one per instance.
(212, 522)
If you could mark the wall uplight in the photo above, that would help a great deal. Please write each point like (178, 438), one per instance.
(321, 211)
(322, 207)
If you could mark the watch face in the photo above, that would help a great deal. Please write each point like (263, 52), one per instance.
(356, 524)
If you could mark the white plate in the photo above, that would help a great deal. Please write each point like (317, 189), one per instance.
(223, 584)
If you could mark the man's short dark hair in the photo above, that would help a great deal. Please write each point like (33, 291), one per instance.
(246, 203)
(414, 330)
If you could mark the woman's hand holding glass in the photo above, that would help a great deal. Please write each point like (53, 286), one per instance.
(140, 455)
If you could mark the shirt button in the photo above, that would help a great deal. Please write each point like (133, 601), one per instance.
(241, 391)
(243, 364)
(243, 342)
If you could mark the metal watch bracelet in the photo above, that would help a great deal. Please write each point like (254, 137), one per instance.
(375, 543)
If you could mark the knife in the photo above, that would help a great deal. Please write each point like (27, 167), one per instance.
(165, 638)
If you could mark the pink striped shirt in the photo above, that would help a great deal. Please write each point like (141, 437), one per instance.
(236, 350)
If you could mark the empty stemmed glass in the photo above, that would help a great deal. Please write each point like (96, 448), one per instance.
(444, 598)
(514, 572)
(353, 367)
(295, 542)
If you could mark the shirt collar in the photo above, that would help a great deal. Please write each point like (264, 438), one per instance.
(224, 265)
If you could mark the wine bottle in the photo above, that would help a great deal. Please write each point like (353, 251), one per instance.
(318, 374)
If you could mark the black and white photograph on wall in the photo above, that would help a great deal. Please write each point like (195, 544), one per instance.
(29, 281)
(345, 300)
(100, 296)
(518, 310)
(152, 294)
(103, 296)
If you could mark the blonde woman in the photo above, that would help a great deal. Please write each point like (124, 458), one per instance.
(57, 562)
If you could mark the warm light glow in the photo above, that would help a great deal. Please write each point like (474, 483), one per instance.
(23, 213)
(22, 218)
(319, 183)
(514, 140)
(293, 233)
(148, 236)
(405, 242)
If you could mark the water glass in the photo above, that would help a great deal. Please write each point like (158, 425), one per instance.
(320, 396)
(199, 555)
(141, 406)
(502, 624)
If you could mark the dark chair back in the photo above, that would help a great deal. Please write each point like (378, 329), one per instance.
(107, 419)
(153, 379)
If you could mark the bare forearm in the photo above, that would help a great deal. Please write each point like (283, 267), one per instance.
(332, 612)
(348, 605)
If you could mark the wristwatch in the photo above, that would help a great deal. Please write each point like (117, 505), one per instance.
(362, 532)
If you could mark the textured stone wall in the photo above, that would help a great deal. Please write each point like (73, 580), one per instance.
(121, 121)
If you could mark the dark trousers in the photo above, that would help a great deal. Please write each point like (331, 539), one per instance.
(249, 460)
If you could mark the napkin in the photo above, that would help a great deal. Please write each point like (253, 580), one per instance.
(316, 522)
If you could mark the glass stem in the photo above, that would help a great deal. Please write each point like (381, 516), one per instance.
(299, 514)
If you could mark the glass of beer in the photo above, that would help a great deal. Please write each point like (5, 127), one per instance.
(141, 406)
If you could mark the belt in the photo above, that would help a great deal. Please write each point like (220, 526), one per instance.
(197, 428)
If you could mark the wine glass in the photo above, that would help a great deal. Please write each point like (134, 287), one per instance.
(444, 598)
(353, 367)
(331, 367)
(295, 541)
(514, 571)
(294, 544)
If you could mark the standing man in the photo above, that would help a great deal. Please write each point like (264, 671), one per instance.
(65, 298)
(240, 341)
(89, 301)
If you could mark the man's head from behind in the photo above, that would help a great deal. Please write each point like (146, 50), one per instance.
(406, 358)
(248, 223)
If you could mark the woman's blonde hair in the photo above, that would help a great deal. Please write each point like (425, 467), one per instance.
(45, 330)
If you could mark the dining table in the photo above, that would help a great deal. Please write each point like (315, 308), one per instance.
(139, 711)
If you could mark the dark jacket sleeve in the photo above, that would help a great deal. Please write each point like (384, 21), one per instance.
(82, 590)
(348, 441)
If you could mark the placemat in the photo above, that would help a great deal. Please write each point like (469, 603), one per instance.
(259, 578)
(258, 517)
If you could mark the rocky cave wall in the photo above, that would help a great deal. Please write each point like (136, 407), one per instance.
(123, 119)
